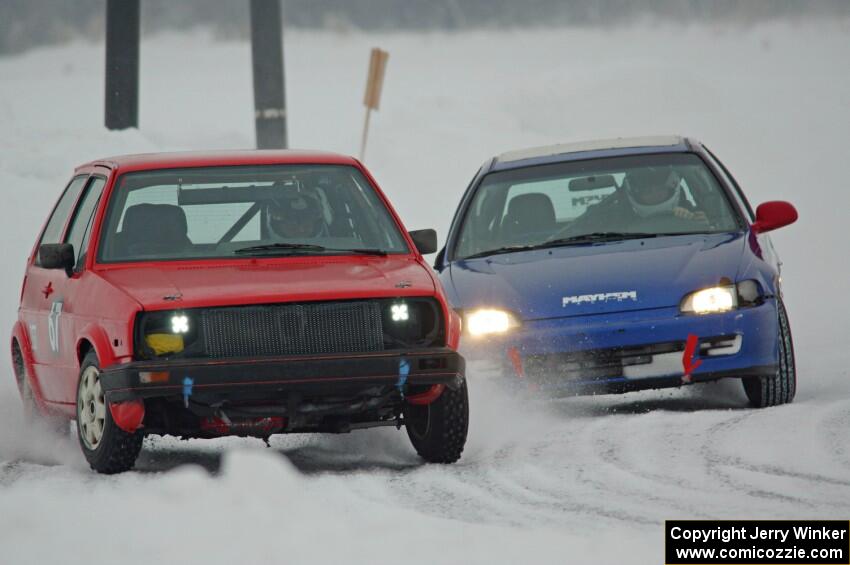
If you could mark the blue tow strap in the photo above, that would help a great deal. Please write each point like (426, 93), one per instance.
(403, 371)
(187, 390)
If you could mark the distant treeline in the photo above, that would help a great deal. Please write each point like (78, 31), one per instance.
(28, 23)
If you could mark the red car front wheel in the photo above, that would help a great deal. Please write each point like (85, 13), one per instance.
(438, 430)
(106, 447)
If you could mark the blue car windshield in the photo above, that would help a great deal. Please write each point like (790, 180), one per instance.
(653, 195)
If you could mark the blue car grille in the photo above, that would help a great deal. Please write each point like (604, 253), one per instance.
(602, 364)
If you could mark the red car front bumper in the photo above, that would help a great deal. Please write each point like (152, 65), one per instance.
(216, 380)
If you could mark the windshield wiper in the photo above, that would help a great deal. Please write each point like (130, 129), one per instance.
(362, 251)
(278, 247)
(576, 239)
(499, 250)
(594, 237)
(302, 248)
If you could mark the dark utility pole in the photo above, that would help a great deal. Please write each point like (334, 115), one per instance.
(267, 60)
(122, 64)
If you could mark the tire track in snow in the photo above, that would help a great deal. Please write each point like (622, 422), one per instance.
(835, 428)
(585, 473)
(780, 472)
(609, 474)
(10, 471)
(503, 487)
(715, 462)
(658, 491)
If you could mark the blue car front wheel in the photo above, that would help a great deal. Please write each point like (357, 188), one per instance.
(779, 389)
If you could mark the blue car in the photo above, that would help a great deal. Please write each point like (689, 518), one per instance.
(620, 265)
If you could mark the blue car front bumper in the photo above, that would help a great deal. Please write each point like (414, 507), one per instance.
(635, 350)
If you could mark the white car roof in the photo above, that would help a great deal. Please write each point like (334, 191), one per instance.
(595, 145)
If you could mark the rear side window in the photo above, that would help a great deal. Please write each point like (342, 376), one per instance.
(78, 233)
(56, 224)
(59, 217)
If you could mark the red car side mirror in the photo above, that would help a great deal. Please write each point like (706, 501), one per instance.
(773, 215)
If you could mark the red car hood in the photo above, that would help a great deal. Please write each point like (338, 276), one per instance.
(262, 281)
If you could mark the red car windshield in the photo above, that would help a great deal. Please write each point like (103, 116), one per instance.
(220, 212)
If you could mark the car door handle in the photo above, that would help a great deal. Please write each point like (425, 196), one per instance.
(48, 290)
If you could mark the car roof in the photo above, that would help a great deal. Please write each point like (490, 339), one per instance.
(174, 160)
(590, 150)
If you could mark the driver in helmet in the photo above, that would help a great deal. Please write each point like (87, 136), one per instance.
(296, 214)
(657, 191)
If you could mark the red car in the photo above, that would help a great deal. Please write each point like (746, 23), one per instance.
(239, 293)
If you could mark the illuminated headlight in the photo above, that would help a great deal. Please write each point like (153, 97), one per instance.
(399, 312)
(180, 324)
(711, 300)
(489, 321)
(165, 332)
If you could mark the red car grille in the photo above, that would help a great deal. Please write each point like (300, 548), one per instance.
(293, 329)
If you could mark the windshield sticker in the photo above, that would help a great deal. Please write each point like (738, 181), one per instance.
(599, 297)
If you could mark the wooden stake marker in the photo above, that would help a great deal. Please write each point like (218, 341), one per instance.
(374, 85)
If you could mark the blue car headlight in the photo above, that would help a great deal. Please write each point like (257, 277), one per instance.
(489, 321)
(721, 298)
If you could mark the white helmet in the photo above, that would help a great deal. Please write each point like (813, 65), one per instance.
(653, 190)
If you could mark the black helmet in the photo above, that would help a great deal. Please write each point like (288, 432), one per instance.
(294, 213)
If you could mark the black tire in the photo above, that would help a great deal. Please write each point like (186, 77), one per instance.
(780, 389)
(33, 415)
(438, 430)
(116, 450)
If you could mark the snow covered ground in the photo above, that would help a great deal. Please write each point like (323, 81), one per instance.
(588, 479)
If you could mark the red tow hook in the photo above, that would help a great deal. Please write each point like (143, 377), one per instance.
(690, 363)
(516, 361)
(427, 397)
(128, 415)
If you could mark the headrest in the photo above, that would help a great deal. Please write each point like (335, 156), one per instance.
(167, 220)
(534, 209)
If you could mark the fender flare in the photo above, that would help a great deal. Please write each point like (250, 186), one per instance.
(100, 343)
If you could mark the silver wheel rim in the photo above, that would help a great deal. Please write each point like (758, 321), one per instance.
(91, 408)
